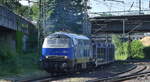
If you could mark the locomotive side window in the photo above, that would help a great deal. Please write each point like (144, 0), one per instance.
(80, 49)
(94, 50)
(112, 53)
(103, 52)
(88, 49)
(100, 52)
(85, 48)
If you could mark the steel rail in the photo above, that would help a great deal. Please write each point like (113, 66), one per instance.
(116, 78)
(50, 78)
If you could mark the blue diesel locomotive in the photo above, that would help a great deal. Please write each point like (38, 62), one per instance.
(67, 52)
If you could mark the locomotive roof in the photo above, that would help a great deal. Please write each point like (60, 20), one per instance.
(71, 35)
(74, 37)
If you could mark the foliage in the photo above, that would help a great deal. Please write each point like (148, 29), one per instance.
(28, 62)
(137, 49)
(120, 48)
(67, 15)
(32, 42)
(25, 11)
(19, 41)
(35, 12)
(11, 4)
(124, 50)
(116, 41)
(8, 60)
(12, 63)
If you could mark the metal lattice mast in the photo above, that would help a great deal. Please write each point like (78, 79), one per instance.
(40, 24)
(86, 25)
(139, 7)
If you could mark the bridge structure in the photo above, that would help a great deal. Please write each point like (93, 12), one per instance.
(121, 24)
(126, 25)
(10, 23)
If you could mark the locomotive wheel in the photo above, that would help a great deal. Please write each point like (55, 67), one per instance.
(77, 68)
(56, 74)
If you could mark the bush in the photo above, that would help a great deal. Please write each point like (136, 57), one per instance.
(136, 50)
(19, 43)
(8, 61)
(6, 53)
(12, 63)
(124, 51)
(121, 49)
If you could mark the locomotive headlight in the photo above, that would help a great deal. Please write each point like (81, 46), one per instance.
(65, 57)
(46, 56)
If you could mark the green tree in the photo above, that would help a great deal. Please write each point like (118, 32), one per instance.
(11, 4)
(137, 49)
(35, 11)
(16, 7)
(121, 49)
(66, 15)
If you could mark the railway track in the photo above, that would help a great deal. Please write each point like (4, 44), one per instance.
(141, 71)
(83, 76)
(43, 79)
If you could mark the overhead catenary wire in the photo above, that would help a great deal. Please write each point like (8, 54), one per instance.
(131, 6)
(117, 5)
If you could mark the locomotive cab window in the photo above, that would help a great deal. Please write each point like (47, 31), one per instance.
(58, 42)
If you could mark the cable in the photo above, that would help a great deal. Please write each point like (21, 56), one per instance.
(131, 6)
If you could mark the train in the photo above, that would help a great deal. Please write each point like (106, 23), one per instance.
(68, 52)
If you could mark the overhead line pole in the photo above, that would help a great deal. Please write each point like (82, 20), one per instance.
(123, 27)
(139, 7)
(39, 25)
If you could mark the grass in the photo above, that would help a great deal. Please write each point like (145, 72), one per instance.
(28, 62)
(13, 63)
(19, 64)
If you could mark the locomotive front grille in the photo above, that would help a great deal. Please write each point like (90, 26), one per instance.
(56, 57)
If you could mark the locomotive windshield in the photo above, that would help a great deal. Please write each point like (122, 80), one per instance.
(58, 42)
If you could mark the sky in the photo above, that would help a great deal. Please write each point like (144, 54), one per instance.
(107, 5)
(102, 6)
(23, 2)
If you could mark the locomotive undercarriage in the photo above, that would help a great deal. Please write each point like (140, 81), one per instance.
(52, 66)
(65, 66)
